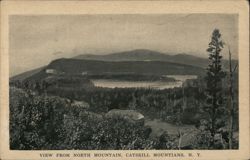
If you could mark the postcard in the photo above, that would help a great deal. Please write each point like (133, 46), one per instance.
(144, 80)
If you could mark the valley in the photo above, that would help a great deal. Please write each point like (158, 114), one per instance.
(83, 90)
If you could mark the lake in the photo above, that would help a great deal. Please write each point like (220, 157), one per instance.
(109, 83)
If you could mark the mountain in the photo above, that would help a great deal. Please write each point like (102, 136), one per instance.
(93, 67)
(134, 55)
(141, 59)
(27, 74)
(148, 55)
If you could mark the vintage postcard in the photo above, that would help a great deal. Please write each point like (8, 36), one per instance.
(149, 80)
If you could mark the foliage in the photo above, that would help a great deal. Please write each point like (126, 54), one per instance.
(117, 133)
(34, 120)
(165, 141)
(164, 104)
(50, 122)
(214, 104)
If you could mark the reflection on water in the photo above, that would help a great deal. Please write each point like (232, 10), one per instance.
(182, 78)
(109, 83)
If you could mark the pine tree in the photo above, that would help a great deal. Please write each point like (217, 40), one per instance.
(231, 100)
(214, 77)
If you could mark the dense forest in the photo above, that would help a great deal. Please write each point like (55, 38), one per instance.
(66, 111)
(34, 106)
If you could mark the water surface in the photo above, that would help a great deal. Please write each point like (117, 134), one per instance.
(109, 83)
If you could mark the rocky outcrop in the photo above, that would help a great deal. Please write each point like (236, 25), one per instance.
(130, 115)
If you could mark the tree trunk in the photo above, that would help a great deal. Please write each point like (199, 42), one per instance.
(230, 108)
(180, 139)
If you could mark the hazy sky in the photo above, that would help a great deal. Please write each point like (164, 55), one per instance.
(36, 40)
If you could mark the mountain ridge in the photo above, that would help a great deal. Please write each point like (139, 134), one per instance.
(134, 56)
(149, 55)
(70, 66)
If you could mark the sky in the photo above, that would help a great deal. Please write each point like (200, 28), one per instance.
(37, 40)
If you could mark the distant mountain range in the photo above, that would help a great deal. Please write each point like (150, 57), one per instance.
(149, 55)
(136, 61)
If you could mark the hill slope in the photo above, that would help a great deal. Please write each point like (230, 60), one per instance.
(76, 67)
(27, 74)
(95, 64)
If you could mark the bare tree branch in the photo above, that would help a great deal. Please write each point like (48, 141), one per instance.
(235, 67)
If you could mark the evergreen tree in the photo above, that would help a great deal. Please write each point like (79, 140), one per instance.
(215, 74)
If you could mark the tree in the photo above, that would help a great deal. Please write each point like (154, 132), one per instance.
(215, 74)
(231, 99)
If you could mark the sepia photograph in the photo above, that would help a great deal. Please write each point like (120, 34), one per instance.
(124, 81)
